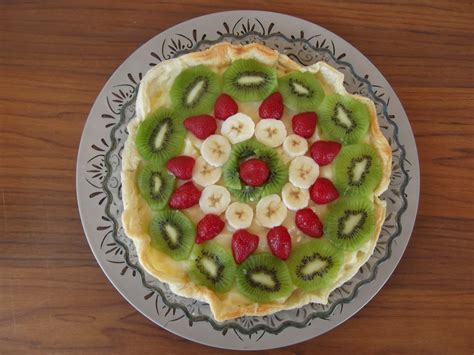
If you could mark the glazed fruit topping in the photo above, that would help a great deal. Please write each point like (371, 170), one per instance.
(185, 196)
(254, 172)
(323, 191)
(272, 106)
(324, 152)
(279, 241)
(308, 222)
(304, 124)
(225, 107)
(243, 244)
(208, 228)
(181, 166)
(201, 126)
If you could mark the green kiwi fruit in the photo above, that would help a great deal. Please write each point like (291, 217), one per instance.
(249, 80)
(315, 265)
(173, 233)
(301, 91)
(155, 185)
(160, 136)
(264, 278)
(195, 90)
(350, 223)
(253, 149)
(212, 266)
(343, 118)
(357, 170)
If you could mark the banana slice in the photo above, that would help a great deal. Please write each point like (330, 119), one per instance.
(270, 132)
(214, 199)
(238, 128)
(205, 174)
(216, 150)
(294, 198)
(295, 145)
(270, 211)
(239, 215)
(303, 172)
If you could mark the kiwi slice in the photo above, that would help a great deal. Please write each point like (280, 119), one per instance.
(172, 233)
(357, 170)
(212, 266)
(195, 90)
(263, 278)
(315, 265)
(343, 118)
(155, 185)
(249, 80)
(301, 91)
(350, 223)
(253, 149)
(160, 136)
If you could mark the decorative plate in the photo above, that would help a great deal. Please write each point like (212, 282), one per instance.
(99, 186)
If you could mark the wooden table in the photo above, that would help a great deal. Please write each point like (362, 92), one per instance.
(55, 56)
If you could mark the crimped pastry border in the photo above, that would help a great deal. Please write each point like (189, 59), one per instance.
(136, 215)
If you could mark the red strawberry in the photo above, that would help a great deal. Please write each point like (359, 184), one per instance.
(272, 106)
(201, 126)
(243, 244)
(208, 228)
(323, 191)
(324, 152)
(308, 222)
(224, 107)
(185, 196)
(181, 166)
(279, 241)
(304, 124)
(254, 172)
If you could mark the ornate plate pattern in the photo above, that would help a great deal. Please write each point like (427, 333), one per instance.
(99, 185)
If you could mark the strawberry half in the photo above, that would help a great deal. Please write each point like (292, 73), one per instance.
(323, 191)
(208, 228)
(225, 107)
(202, 126)
(308, 222)
(254, 172)
(279, 241)
(185, 196)
(324, 152)
(272, 106)
(243, 244)
(181, 166)
(304, 124)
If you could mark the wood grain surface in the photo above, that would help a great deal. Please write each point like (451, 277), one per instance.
(55, 56)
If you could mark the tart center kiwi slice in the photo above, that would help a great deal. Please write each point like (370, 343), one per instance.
(172, 233)
(160, 136)
(301, 91)
(343, 118)
(350, 223)
(155, 185)
(263, 278)
(212, 266)
(195, 90)
(357, 170)
(315, 265)
(251, 149)
(249, 80)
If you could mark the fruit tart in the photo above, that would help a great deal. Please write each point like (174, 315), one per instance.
(251, 182)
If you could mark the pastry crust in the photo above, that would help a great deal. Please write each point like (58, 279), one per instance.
(136, 217)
